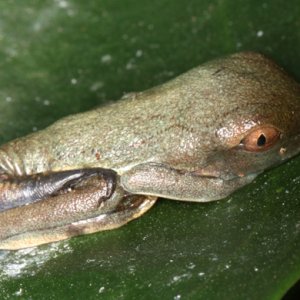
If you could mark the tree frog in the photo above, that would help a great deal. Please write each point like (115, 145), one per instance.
(198, 137)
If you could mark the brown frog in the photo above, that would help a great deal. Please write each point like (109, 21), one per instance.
(198, 137)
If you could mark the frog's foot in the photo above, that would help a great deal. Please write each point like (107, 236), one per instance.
(24, 190)
(63, 205)
(129, 208)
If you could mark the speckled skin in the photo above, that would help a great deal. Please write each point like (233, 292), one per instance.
(179, 140)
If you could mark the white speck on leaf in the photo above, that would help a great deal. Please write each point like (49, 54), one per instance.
(179, 278)
(19, 292)
(259, 33)
(139, 53)
(106, 59)
(74, 81)
(191, 266)
(62, 3)
(130, 65)
(96, 86)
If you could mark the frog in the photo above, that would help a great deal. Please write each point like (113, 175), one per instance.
(198, 137)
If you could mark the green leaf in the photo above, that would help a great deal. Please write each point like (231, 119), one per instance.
(64, 56)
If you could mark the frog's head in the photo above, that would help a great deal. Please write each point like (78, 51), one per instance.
(257, 124)
(239, 116)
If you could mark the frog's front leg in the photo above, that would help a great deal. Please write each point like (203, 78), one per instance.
(163, 181)
(64, 204)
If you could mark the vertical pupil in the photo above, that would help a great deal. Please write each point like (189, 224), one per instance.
(261, 141)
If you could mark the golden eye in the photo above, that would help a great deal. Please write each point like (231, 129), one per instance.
(261, 139)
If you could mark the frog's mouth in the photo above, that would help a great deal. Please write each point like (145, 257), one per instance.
(60, 205)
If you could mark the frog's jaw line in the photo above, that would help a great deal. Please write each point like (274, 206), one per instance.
(102, 222)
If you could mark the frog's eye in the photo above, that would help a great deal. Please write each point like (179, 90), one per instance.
(261, 139)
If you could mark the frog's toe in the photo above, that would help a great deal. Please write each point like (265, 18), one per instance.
(24, 190)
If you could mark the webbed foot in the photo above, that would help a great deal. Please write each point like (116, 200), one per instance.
(41, 209)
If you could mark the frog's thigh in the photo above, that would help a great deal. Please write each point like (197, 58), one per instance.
(129, 208)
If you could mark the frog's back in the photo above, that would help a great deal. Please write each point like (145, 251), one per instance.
(178, 118)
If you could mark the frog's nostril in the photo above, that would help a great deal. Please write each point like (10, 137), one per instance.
(282, 150)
